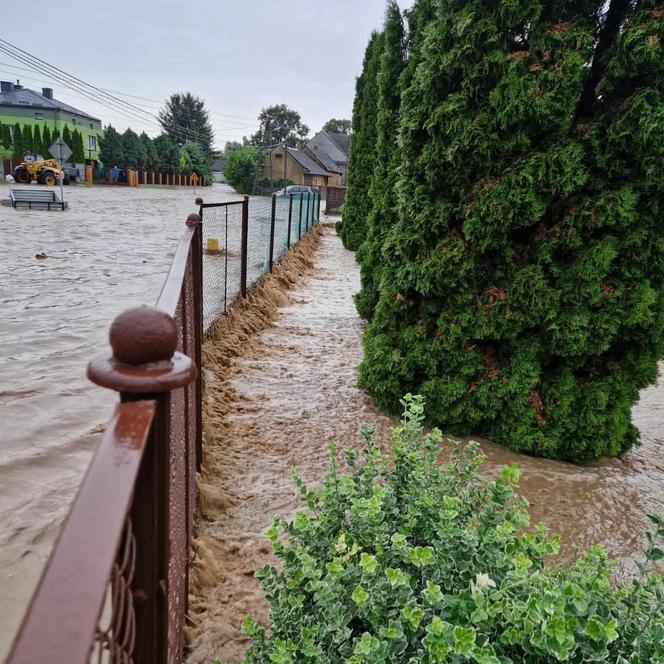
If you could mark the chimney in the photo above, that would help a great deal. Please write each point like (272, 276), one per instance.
(17, 85)
(6, 86)
(47, 92)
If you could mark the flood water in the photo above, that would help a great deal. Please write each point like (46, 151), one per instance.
(294, 392)
(109, 251)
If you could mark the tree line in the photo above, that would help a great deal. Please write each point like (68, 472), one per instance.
(163, 154)
(278, 125)
(19, 140)
(505, 201)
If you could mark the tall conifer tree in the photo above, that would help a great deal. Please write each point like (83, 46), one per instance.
(352, 228)
(382, 190)
(523, 293)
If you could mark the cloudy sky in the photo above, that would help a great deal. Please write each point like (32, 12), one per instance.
(238, 55)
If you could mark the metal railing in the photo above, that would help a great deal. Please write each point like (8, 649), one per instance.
(116, 584)
(237, 254)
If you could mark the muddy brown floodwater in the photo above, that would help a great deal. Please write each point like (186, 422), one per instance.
(109, 251)
(291, 391)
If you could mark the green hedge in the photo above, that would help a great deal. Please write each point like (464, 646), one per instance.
(520, 285)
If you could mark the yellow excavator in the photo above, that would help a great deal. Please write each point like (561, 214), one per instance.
(45, 171)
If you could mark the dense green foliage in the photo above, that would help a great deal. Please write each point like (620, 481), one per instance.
(133, 150)
(382, 189)
(185, 118)
(405, 560)
(193, 160)
(111, 151)
(362, 157)
(520, 284)
(279, 124)
(338, 126)
(241, 168)
(168, 154)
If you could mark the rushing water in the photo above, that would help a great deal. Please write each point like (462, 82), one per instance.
(109, 251)
(295, 391)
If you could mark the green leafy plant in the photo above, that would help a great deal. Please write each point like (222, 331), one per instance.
(240, 168)
(403, 559)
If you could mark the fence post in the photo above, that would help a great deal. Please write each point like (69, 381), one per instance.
(290, 218)
(318, 208)
(299, 225)
(195, 221)
(243, 250)
(273, 216)
(306, 219)
(145, 365)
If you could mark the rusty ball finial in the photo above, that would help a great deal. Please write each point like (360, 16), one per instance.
(199, 200)
(193, 219)
(143, 335)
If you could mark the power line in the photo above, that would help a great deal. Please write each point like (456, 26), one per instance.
(93, 93)
(70, 80)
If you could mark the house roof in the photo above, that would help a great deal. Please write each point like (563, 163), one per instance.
(306, 162)
(342, 141)
(326, 160)
(218, 165)
(24, 97)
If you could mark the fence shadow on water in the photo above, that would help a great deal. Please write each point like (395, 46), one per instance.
(115, 587)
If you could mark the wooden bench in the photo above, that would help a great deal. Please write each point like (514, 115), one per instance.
(40, 199)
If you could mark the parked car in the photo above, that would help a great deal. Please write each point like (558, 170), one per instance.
(294, 190)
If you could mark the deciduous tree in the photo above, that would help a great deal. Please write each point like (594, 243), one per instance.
(280, 124)
(337, 126)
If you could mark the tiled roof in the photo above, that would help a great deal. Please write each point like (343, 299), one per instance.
(342, 141)
(306, 162)
(326, 160)
(29, 98)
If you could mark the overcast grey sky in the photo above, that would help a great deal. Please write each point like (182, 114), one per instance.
(238, 55)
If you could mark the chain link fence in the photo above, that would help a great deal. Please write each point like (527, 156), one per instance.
(243, 239)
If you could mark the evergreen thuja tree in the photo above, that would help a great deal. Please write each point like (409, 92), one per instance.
(46, 142)
(382, 191)
(361, 159)
(523, 286)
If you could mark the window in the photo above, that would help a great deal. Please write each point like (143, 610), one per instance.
(73, 120)
(91, 126)
(92, 142)
(278, 155)
(39, 116)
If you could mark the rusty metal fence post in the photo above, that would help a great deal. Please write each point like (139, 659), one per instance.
(243, 251)
(272, 224)
(196, 222)
(146, 365)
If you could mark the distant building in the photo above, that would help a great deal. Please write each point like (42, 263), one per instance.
(294, 165)
(217, 169)
(331, 151)
(19, 105)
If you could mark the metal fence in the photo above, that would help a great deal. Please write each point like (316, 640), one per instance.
(237, 253)
(116, 584)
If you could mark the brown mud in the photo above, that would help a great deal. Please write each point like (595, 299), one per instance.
(281, 386)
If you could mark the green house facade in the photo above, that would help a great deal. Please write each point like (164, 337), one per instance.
(22, 106)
